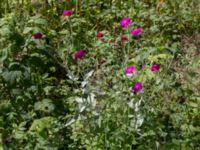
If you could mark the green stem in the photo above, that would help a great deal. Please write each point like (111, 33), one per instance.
(71, 32)
(126, 52)
(77, 7)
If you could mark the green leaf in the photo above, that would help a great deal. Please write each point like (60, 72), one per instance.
(38, 20)
(45, 105)
(27, 30)
(40, 124)
(3, 54)
(192, 104)
(12, 76)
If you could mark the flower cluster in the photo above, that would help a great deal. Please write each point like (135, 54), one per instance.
(125, 22)
(137, 86)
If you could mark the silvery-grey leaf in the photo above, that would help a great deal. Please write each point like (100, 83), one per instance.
(70, 122)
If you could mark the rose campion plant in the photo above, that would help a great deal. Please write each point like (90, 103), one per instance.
(155, 67)
(37, 35)
(129, 70)
(125, 21)
(137, 86)
(79, 54)
(67, 12)
(136, 31)
(99, 35)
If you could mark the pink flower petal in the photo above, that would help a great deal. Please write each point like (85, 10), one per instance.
(136, 31)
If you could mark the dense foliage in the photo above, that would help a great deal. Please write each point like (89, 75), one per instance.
(99, 75)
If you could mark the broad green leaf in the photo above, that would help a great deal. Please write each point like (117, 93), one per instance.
(45, 105)
(39, 125)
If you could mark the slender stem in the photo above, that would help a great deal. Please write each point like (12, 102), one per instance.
(0, 10)
(105, 130)
(126, 52)
(71, 32)
(77, 7)
(7, 8)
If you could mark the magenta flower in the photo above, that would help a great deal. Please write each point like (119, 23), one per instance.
(136, 31)
(66, 13)
(79, 54)
(137, 86)
(123, 38)
(129, 70)
(154, 67)
(37, 35)
(125, 21)
(99, 35)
